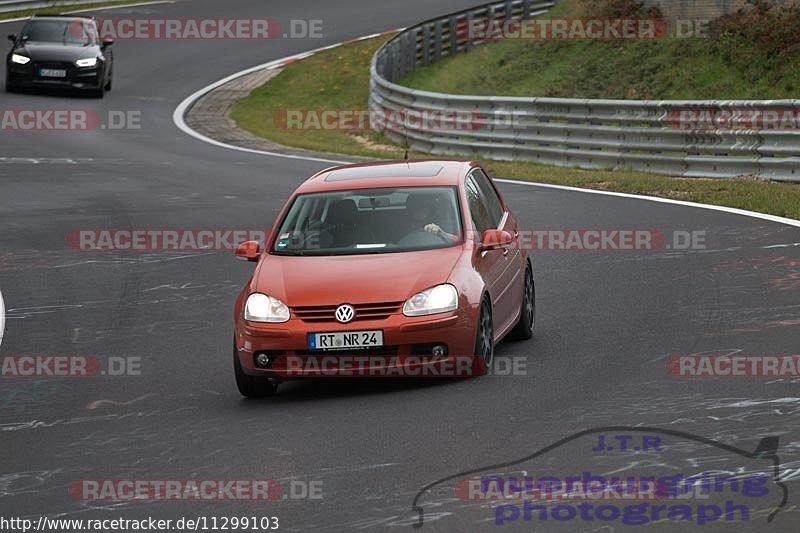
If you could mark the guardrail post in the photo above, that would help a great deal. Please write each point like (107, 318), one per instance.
(468, 44)
(453, 22)
(396, 63)
(426, 43)
(437, 40)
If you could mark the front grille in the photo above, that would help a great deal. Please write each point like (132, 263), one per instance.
(54, 65)
(327, 313)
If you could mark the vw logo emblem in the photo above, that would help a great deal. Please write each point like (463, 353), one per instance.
(345, 313)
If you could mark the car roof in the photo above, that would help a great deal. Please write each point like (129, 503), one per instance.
(416, 173)
(64, 18)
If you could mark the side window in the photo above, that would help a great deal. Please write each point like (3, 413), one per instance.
(91, 30)
(493, 203)
(477, 207)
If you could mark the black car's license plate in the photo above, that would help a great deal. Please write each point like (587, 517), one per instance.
(52, 73)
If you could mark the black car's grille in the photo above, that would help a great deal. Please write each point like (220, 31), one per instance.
(53, 65)
(327, 313)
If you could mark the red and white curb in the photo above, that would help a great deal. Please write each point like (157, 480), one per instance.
(183, 107)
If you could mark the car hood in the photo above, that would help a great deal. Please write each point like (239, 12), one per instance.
(56, 51)
(328, 280)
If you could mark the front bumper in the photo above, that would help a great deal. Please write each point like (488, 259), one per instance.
(76, 77)
(406, 351)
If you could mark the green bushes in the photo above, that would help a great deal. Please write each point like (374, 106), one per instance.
(617, 9)
(761, 40)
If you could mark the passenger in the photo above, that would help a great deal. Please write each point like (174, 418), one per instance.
(343, 228)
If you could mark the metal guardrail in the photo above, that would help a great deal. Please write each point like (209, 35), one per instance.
(8, 6)
(617, 134)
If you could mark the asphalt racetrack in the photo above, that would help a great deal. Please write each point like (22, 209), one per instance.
(607, 321)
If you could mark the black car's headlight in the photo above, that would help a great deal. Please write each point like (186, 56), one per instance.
(88, 62)
(20, 59)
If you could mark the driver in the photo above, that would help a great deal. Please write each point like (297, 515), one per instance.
(421, 208)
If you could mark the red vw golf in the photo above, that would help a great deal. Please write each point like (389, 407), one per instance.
(383, 269)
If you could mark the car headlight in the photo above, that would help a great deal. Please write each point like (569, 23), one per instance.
(438, 299)
(263, 308)
(20, 60)
(88, 62)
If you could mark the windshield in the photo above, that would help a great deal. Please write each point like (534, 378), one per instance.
(60, 31)
(370, 221)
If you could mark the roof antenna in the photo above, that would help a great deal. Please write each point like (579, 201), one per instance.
(405, 140)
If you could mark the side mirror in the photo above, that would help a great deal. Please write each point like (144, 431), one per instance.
(495, 239)
(12, 37)
(248, 251)
(107, 42)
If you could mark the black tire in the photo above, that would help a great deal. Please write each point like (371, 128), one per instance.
(251, 386)
(108, 82)
(484, 340)
(11, 88)
(100, 92)
(527, 314)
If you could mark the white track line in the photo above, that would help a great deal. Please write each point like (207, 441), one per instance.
(18, 19)
(732, 210)
(183, 107)
(2, 317)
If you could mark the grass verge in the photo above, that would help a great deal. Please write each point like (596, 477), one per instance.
(338, 79)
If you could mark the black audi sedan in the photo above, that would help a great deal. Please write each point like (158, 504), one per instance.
(60, 51)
